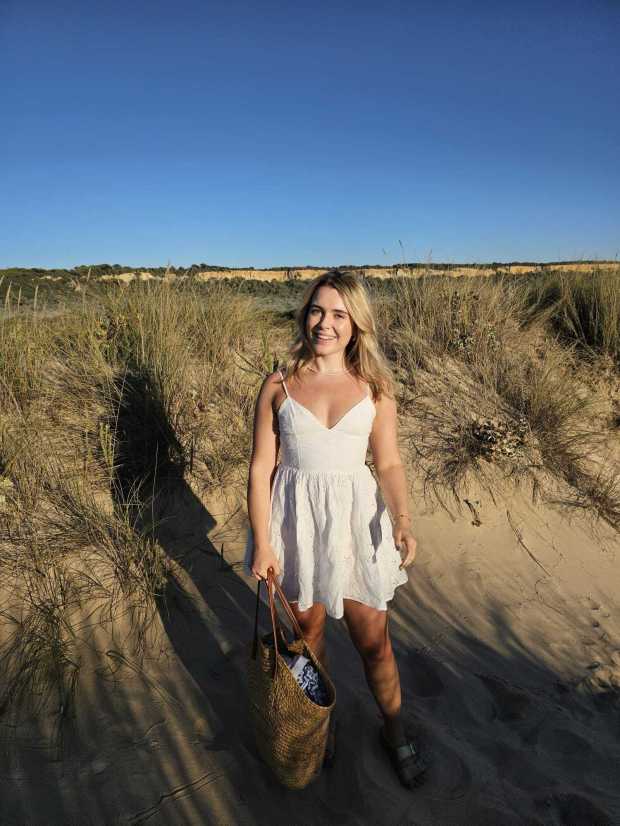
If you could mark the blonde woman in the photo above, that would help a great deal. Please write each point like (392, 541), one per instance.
(318, 517)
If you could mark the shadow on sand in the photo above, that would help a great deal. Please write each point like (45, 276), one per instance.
(511, 741)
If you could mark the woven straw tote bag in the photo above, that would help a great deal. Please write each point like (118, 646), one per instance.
(290, 730)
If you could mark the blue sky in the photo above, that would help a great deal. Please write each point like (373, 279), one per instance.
(272, 133)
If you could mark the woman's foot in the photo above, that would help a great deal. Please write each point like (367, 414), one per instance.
(330, 749)
(406, 759)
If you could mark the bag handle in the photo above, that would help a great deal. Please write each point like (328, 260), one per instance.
(273, 588)
(285, 603)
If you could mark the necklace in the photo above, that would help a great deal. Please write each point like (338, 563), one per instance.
(328, 372)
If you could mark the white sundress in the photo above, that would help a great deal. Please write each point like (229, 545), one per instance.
(329, 525)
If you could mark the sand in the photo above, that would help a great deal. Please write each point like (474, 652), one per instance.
(508, 644)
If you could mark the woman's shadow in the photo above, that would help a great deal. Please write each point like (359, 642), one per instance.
(207, 609)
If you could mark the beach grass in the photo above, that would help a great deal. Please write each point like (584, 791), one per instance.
(114, 395)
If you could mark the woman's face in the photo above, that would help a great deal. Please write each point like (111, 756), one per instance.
(328, 324)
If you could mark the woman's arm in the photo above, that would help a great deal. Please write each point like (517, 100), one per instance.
(262, 464)
(391, 476)
(386, 457)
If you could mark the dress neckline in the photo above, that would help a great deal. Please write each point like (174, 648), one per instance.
(289, 398)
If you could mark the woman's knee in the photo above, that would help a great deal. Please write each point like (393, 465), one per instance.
(375, 649)
(311, 621)
(368, 628)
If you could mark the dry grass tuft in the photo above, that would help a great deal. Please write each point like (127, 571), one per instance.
(485, 381)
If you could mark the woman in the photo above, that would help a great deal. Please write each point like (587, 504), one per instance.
(318, 517)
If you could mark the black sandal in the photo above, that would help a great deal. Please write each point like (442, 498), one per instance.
(408, 763)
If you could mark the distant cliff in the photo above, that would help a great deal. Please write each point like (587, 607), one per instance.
(203, 272)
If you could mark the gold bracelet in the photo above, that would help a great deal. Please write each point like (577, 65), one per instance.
(403, 514)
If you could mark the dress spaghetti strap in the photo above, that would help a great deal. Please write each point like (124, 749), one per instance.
(283, 384)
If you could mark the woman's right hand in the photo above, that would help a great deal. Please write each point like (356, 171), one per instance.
(264, 558)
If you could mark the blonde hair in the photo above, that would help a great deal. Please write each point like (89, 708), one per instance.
(363, 355)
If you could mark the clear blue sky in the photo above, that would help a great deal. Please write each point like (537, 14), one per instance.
(280, 133)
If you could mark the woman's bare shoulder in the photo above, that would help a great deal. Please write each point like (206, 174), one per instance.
(273, 386)
(364, 383)
(275, 377)
(380, 395)
(269, 386)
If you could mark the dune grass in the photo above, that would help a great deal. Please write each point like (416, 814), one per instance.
(486, 378)
(580, 308)
(100, 407)
(107, 403)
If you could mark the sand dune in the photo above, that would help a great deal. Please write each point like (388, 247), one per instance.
(507, 638)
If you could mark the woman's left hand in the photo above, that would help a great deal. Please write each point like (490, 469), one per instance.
(406, 544)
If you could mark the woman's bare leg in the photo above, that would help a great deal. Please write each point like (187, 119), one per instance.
(312, 622)
(368, 628)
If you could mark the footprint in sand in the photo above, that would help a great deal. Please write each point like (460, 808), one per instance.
(574, 810)
(422, 677)
(601, 685)
(485, 816)
(510, 704)
(448, 776)
(593, 605)
(514, 766)
(573, 752)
